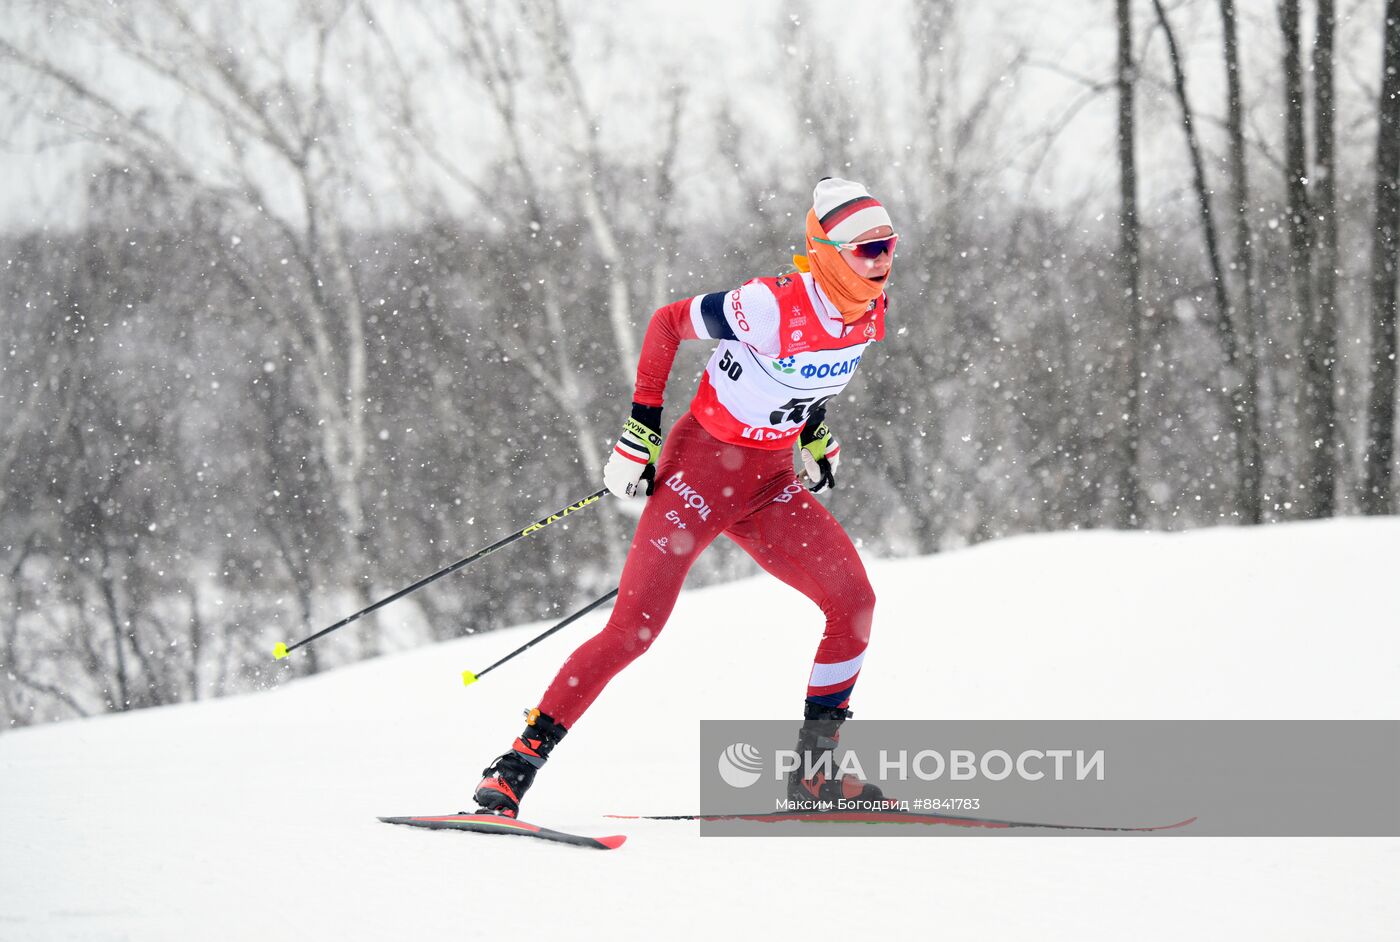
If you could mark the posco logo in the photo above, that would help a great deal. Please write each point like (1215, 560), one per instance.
(829, 369)
(736, 305)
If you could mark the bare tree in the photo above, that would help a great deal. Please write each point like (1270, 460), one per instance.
(1300, 258)
(22, 660)
(509, 278)
(522, 64)
(1130, 269)
(1377, 494)
(1320, 343)
(556, 37)
(668, 233)
(1245, 313)
(264, 115)
(1239, 404)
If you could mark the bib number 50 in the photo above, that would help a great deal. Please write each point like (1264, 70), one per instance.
(730, 366)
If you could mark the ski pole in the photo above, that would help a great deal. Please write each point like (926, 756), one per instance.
(468, 678)
(282, 650)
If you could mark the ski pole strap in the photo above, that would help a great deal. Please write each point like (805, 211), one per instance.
(468, 678)
(282, 650)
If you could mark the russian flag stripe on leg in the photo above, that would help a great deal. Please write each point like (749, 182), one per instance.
(838, 698)
(825, 675)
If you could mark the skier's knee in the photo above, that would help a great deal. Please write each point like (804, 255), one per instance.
(863, 612)
(634, 639)
(854, 608)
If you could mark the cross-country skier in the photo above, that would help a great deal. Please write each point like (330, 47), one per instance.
(787, 345)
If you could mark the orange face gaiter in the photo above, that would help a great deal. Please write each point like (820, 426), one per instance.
(850, 292)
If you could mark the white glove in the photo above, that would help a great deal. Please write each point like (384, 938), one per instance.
(633, 459)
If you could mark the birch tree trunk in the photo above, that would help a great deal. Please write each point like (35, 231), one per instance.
(1129, 266)
(1245, 314)
(1302, 492)
(1237, 403)
(1320, 339)
(1377, 495)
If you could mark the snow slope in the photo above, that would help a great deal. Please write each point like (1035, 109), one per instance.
(254, 817)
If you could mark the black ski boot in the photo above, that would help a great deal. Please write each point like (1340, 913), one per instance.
(511, 775)
(815, 742)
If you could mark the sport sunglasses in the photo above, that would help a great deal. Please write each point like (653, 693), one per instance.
(870, 248)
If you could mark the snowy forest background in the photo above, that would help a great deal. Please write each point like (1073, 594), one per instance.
(303, 301)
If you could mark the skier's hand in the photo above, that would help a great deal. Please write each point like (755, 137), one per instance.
(633, 458)
(820, 454)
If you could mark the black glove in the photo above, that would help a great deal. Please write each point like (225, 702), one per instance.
(820, 453)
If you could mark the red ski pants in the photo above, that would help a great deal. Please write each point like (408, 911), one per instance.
(705, 487)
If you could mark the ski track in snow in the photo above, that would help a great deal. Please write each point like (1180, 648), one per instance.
(254, 816)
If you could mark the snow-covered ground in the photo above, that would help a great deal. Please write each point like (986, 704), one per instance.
(254, 817)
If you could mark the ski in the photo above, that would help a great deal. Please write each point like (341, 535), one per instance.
(497, 824)
(896, 817)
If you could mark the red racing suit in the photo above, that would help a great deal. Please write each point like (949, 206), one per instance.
(727, 468)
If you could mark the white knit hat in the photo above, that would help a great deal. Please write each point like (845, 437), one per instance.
(845, 209)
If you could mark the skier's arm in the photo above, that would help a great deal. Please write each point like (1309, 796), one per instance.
(669, 326)
(631, 468)
(748, 314)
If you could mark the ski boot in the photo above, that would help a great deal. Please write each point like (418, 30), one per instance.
(815, 743)
(511, 775)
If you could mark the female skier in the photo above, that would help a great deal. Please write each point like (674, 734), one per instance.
(787, 345)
